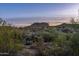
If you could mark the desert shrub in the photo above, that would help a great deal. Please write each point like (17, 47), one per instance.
(10, 40)
(75, 44)
(61, 45)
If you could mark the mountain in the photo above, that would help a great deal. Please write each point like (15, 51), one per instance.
(26, 21)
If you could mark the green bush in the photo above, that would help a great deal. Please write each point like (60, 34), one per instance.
(10, 40)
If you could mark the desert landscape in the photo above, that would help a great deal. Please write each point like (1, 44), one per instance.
(39, 29)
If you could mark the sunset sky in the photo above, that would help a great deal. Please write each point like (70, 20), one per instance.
(38, 10)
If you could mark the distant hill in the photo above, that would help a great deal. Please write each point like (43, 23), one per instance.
(75, 26)
(30, 20)
(42, 24)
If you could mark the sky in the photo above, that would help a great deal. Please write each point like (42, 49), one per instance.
(19, 10)
(38, 10)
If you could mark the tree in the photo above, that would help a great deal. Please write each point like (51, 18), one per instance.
(1, 21)
(72, 21)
